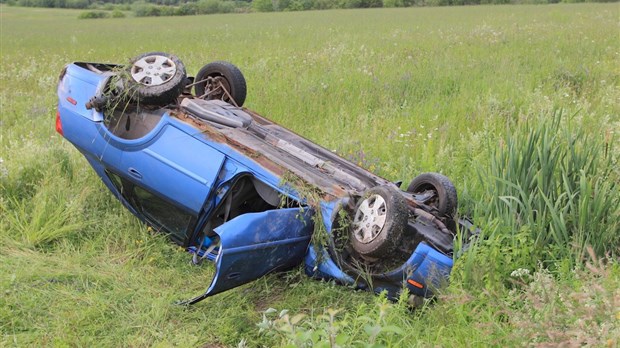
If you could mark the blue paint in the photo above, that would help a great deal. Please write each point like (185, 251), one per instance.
(185, 168)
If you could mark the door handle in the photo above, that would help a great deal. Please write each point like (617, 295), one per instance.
(135, 173)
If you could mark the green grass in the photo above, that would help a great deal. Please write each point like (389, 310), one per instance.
(465, 91)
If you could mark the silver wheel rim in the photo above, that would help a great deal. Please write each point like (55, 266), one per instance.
(369, 219)
(153, 70)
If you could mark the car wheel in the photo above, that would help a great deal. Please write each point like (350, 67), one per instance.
(444, 193)
(221, 80)
(156, 78)
(379, 221)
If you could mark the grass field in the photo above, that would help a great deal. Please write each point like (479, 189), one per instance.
(519, 105)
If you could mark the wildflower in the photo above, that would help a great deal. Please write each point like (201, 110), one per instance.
(520, 273)
(4, 172)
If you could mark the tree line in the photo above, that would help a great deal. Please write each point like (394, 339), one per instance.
(143, 8)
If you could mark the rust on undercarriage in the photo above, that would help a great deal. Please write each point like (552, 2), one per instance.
(289, 156)
(219, 137)
(204, 128)
(294, 175)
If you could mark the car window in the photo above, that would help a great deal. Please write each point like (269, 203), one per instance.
(131, 121)
(157, 211)
(162, 213)
(116, 180)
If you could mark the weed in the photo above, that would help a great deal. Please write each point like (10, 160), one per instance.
(583, 313)
(554, 182)
(331, 328)
(308, 196)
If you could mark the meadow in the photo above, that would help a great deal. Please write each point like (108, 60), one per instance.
(519, 105)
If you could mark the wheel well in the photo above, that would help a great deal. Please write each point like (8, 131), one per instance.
(245, 195)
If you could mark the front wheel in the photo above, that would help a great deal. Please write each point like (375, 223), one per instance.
(221, 80)
(379, 222)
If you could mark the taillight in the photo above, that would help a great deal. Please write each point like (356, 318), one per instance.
(59, 124)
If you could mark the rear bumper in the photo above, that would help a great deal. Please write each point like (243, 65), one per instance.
(422, 274)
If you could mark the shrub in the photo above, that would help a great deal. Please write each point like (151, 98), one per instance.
(167, 11)
(118, 14)
(301, 5)
(350, 3)
(187, 9)
(393, 3)
(76, 4)
(263, 5)
(216, 6)
(321, 4)
(228, 7)
(94, 15)
(142, 9)
(209, 6)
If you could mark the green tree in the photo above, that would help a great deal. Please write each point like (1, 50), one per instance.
(263, 5)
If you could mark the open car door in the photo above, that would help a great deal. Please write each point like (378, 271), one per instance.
(255, 244)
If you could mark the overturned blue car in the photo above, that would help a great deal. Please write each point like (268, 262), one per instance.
(233, 188)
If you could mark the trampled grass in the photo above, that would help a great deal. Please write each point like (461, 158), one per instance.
(460, 90)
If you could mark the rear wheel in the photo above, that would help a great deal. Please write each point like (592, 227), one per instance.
(440, 189)
(223, 81)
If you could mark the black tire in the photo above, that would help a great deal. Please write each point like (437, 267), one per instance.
(227, 76)
(379, 221)
(156, 78)
(445, 200)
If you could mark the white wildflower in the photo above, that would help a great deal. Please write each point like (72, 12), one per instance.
(520, 273)
(4, 172)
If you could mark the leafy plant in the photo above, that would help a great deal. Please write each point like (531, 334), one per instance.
(94, 15)
(333, 329)
(547, 187)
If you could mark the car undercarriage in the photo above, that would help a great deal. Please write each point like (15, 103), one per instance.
(235, 188)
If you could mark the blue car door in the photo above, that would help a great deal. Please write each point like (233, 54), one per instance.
(164, 175)
(173, 165)
(255, 244)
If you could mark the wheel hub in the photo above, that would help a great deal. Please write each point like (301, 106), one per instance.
(153, 70)
(217, 88)
(369, 219)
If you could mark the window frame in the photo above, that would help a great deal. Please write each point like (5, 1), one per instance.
(126, 190)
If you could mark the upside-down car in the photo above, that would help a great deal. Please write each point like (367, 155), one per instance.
(234, 188)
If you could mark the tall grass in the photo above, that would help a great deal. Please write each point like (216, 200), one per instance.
(550, 191)
(560, 183)
(42, 220)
